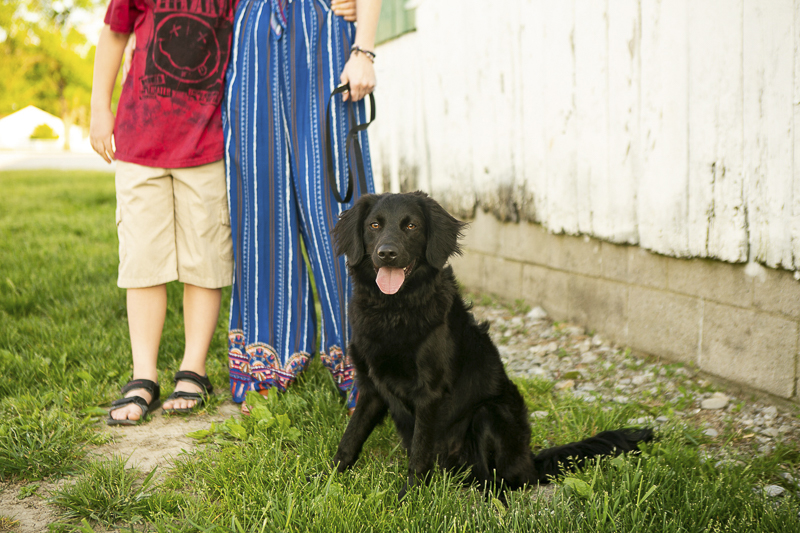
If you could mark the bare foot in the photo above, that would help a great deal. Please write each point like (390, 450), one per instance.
(183, 403)
(132, 411)
(246, 410)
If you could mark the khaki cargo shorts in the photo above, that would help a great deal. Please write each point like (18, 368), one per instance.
(173, 224)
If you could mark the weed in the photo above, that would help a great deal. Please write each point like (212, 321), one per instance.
(520, 307)
(108, 493)
(487, 301)
(35, 443)
(7, 523)
(28, 490)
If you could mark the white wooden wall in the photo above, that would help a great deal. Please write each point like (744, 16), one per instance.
(669, 124)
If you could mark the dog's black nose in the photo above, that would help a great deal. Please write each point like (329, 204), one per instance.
(387, 252)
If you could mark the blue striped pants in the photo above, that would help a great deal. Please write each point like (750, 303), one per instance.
(286, 59)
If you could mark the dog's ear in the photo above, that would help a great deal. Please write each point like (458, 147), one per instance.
(443, 233)
(348, 234)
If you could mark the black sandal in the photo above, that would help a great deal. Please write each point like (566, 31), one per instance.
(193, 377)
(144, 384)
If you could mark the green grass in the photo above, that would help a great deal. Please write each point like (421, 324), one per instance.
(39, 438)
(64, 352)
(64, 345)
(108, 493)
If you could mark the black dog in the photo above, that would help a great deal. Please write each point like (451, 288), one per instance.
(420, 355)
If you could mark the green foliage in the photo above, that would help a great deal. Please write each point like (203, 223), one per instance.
(108, 493)
(28, 490)
(520, 307)
(669, 488)
(63, 318)
(43, 131)
(64, 352)
(37, 442)
(64, 346)
(47, 61)
(578, 487)
(261, 423)
(59, 12)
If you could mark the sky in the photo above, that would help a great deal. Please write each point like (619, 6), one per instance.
(91, 22)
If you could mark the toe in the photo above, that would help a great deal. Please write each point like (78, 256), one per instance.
(129, 412)
(183, 403)
(186, 404)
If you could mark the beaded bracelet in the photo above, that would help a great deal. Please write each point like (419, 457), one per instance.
(356, 49)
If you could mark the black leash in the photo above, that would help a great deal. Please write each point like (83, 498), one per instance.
(352, 142)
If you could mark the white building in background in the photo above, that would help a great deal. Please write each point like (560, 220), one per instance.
(630, 165)
(16, 130)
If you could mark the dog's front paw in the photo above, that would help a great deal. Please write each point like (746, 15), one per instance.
(403, 492)
(340, 463)
(407, 486)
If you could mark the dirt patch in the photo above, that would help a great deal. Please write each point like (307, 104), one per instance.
(32, 513)
(156, 443)
(161, 439)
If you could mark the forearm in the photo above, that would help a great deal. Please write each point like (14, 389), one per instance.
(107, 59)
(368, 12)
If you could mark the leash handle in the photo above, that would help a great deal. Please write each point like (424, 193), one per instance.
(351, 144)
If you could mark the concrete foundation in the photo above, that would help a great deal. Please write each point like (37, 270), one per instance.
(738, 322)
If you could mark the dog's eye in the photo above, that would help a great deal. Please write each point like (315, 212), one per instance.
(375, 225)
(411, 225)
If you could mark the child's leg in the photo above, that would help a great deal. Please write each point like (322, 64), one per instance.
(203, 241)
(200, 315)
(147, 309)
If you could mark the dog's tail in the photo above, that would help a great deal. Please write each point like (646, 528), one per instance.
(553, 462)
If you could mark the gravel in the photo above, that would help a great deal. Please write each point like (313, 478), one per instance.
(773, 491)
(593, 369)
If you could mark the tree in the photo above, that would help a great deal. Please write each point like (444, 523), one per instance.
(47, 61)
(43, 131)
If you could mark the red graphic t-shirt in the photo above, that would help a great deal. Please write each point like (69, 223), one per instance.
(169, 113)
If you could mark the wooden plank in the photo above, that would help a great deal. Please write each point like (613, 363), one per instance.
(447, 103)
(531, 72)
(591, 116)
(716, 215)
(492, 109)
(559, 116)
(768, 63)
(624, 149)
(796, 146)
(398, 146)
(662, 189)
(516, 127)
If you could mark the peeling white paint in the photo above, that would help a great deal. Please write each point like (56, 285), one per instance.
(756, 271)
(665, 124)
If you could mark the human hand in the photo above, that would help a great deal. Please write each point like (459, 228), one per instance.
(345, 9)
(360, 74)
(101, 133)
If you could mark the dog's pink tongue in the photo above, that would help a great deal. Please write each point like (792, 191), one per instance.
(390, 279)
